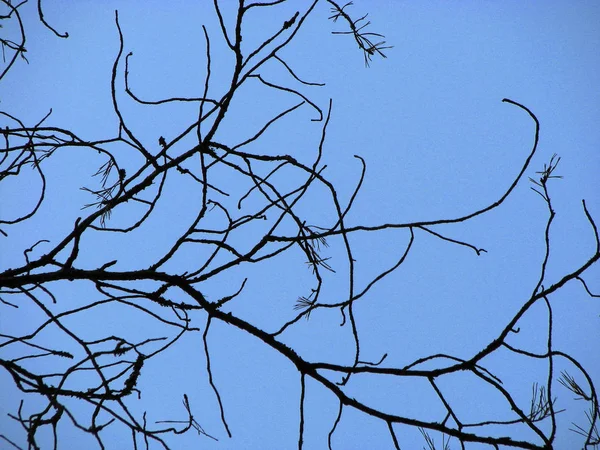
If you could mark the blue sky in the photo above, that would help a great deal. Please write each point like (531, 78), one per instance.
(438, 143)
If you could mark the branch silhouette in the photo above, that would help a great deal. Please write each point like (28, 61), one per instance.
(91, 377)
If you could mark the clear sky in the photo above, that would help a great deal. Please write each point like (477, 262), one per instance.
(438, 143)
